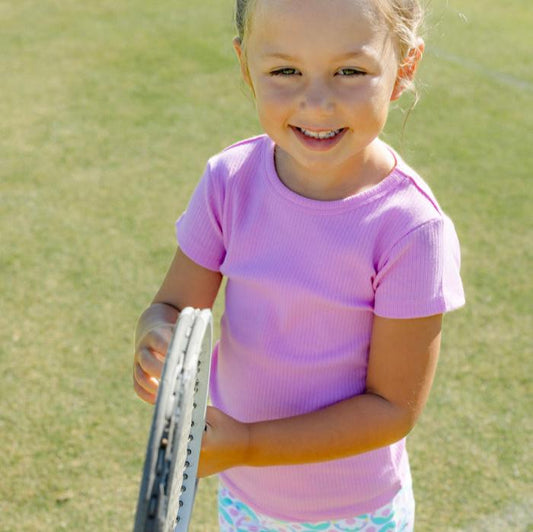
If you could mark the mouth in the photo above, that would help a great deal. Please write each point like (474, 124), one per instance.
(319, 139)
(320, 135)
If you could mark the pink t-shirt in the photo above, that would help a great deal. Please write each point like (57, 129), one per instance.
(304, 280)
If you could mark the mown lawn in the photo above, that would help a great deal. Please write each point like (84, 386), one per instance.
(109, 110)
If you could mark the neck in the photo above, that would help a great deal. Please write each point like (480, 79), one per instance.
(359, 173)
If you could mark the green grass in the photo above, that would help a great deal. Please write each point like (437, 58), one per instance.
(109, 112)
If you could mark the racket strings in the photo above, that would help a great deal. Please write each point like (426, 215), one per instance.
(162, 488)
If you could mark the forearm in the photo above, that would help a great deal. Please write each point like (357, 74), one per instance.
(402, 362)
(353, 426)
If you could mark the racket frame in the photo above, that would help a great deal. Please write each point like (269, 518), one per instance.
(169, 481)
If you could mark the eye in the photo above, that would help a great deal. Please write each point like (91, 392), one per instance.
(350, 72)
(284, 72)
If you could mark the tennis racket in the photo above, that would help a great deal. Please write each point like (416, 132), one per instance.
(169, 480)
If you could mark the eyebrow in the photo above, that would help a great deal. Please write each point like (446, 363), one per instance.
(344, 56)
(354, 53)
(278, 55)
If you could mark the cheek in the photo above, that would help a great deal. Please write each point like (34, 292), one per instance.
(271, 94)
(368, 100)
(272, 103)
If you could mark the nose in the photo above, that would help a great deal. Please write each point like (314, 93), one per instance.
(317, 96)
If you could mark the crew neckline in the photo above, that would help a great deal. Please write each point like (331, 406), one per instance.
(392, 180)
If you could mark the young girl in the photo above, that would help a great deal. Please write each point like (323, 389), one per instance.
(339, 266)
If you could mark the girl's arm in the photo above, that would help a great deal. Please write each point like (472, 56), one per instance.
(402, 362)
(186, 285)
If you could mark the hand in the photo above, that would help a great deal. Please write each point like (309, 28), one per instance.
(224, 444)
(149, 360)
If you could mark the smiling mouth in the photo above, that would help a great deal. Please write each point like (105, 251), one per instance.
(320, 135)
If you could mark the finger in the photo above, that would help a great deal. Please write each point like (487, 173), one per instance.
(150, 362)
(149, 383)
(143, 394)
(212, 416)
(158, 340)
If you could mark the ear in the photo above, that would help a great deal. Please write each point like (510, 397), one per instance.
(406, 71)
(237, 46)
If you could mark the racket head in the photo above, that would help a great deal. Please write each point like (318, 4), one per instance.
(174, 445)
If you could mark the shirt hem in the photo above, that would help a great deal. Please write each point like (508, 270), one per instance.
(346, 512)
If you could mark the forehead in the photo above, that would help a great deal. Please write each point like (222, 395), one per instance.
(316, 24)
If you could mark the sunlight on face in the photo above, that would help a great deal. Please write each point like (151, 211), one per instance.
(322, 73)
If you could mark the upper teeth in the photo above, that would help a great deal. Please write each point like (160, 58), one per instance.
(320, 134)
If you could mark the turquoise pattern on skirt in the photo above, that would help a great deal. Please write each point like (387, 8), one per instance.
(397, 515)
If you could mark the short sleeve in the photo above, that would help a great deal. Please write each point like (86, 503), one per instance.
(199, 228)
(420, 275)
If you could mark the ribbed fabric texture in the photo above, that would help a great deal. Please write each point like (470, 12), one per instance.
(305, 279)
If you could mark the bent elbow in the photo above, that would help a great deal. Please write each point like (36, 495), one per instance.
(406, 420)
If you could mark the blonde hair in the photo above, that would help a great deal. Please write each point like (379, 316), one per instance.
(243, 11)
(404, 19)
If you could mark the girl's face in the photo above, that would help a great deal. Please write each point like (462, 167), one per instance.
(323, 73)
